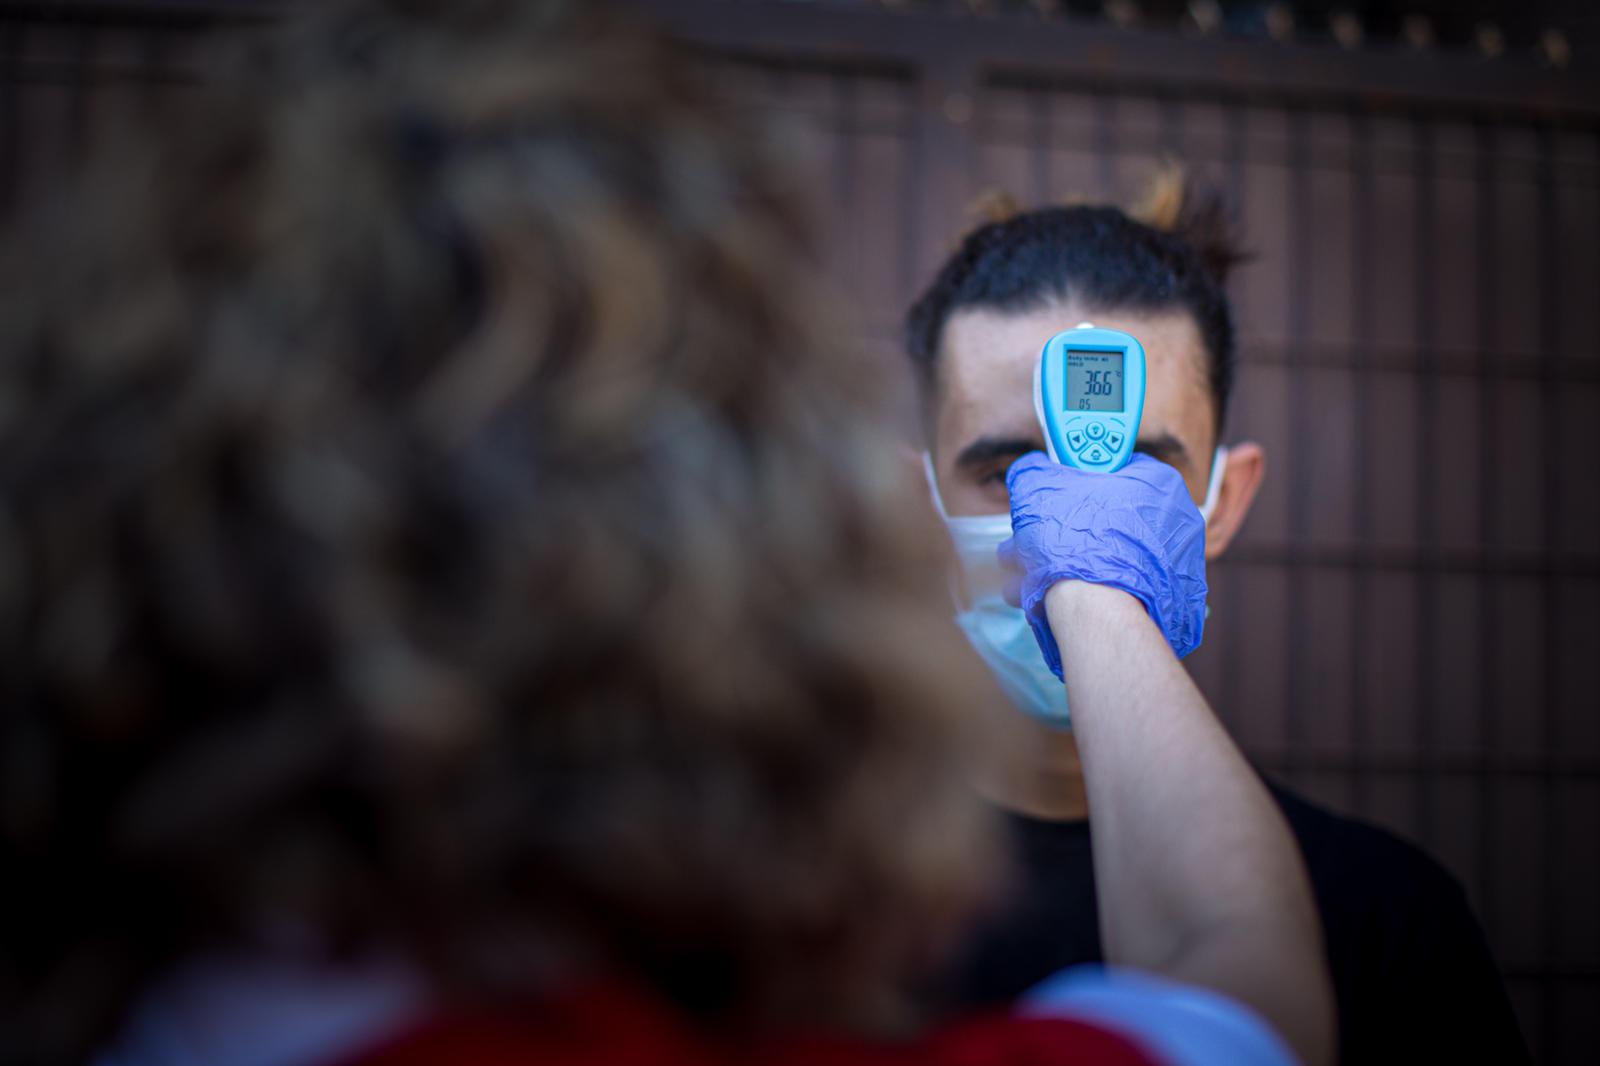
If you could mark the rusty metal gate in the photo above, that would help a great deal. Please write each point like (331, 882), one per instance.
(1405, 627)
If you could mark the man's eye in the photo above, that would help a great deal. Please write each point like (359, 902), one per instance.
(1161, 456)
(992, 477)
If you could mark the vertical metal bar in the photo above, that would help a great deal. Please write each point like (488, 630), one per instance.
(1427, 379)
(1171, 126)
(1233, 608)
(10, 89)
(778, 79)
(1105, 141)
(1364, 311)
(923, 182)
(1593, 960)
(153, 52)
(941, 150)
(1488, 590)
(1302, 247)
(910, 182)
(1236, 149)
(1550, 503)
(1040, 141)
(83, 39)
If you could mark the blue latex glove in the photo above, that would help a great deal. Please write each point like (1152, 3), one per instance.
(1136, 530)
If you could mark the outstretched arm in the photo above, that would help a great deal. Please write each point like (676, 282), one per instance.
(1199, 878)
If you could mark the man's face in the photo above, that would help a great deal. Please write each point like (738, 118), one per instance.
(984, 418)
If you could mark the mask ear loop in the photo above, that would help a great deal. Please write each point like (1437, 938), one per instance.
(960, 527)
(933, 485)
(958, 587)
(1219, 467)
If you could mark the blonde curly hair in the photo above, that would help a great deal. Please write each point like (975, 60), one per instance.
(434, 515)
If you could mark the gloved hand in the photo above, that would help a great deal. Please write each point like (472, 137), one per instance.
(1136, 529)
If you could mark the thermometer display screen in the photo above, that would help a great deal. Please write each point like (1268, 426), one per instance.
(1094, 381)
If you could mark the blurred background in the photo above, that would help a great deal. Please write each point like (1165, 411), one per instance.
(1409, 627)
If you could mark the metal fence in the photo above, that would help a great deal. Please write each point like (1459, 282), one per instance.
(1405, 628)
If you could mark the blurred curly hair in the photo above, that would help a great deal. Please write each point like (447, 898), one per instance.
(434, 515)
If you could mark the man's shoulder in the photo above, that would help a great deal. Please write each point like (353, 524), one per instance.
(1359, 857)
(1413, 973)
(1312, 818)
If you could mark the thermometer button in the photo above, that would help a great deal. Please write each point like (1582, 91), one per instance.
(1113, 440)
(1096, 430)
(1077, 440)
(1096, 454)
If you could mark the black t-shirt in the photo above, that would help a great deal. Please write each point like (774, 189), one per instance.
(1411, 969)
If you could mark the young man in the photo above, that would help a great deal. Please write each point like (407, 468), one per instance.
(1412, 972)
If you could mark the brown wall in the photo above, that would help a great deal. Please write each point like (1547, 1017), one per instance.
(1406, 627)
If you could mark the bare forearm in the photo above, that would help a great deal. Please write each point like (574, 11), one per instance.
(1199, 876)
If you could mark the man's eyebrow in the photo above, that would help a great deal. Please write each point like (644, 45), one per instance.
(986, 450)
(1166, 447)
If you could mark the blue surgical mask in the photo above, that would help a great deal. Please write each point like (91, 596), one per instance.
(1000, 632)
(1005, 640)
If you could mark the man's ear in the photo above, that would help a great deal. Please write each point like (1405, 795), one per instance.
(1242, 473)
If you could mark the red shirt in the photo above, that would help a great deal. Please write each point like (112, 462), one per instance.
(616, 1027)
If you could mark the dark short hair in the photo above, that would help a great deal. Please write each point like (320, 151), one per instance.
(1101, 257)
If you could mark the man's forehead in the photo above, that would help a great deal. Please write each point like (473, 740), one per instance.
(986, 375)
(982, 345)
(988, 357)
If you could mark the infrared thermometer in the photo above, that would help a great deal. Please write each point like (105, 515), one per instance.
(1088, 391)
